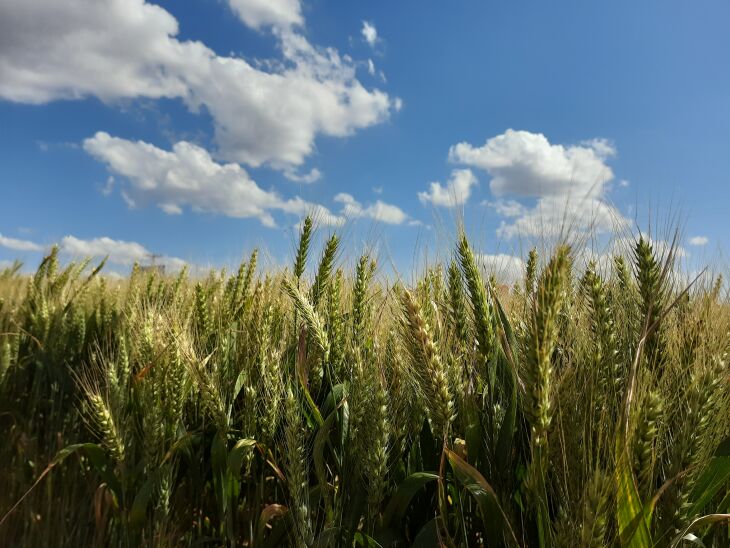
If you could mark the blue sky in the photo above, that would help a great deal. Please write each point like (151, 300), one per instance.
(199, 130)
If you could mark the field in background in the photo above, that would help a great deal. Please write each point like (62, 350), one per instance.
(320, 406)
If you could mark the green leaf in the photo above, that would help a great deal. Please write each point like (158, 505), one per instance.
(428, 536)
(237, 454)
(310, 402)
(333, 399)
(401, 499)
(240, 380)
(475, 434)
(495, 520)
(320, 442)
(361, 539)
(183, 443)
(632, 522)
(507, 430)
(138, 510)
(714, 477)
(505, 361)
(218, 458)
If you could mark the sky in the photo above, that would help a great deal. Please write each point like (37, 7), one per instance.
(197, 131)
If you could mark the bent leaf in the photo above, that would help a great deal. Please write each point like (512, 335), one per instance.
(495, 520)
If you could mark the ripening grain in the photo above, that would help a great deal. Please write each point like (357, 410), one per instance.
(324, 406)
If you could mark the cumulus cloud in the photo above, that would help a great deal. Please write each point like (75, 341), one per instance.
(119, 251)
(527, 164)
(698, 240)
(263, 113)
(565, 186)
(304, 178)
(187, 176)
(507, 208)
(507, 269)
(260, 13)
(560, 216)
(19, 245)
(379, 211)
(455, 192)
(369, 33)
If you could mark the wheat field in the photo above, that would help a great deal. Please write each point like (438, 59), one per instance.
(325, 405)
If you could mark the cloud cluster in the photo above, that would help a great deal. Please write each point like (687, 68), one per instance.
(379, 211)
(19, 245)
(698, 241)
(528, 165)
(261, 13)
(507, 269)
(120, 252)
(263, 113)
(454, 193)
(369, 33)
(555, 216)
(566, 185)
(187, 176)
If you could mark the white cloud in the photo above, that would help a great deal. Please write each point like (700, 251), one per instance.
(527, 164)
(260, 13)
(698, 240)
(119, 251)
(507, 208)
(19, 245)
(305, 178)
(108, 187)
(64, 50)
(187, 176)
(555, 216)
(267, 112)
(568, 184)
(508, 269)
(371, 67)
(273, 118)
(379, 211)
(455, 192)
(369, 33)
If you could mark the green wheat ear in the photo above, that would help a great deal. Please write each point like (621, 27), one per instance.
(602, 326)
(314, 323)
(300, 262)
(432, 373)
(363, 274)
(481, 307)
(653, 294)
(646, 435)
(531, 272)
(324, 272)
(457, 306)
(543, 339)
(296, 469)
(596, 510)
